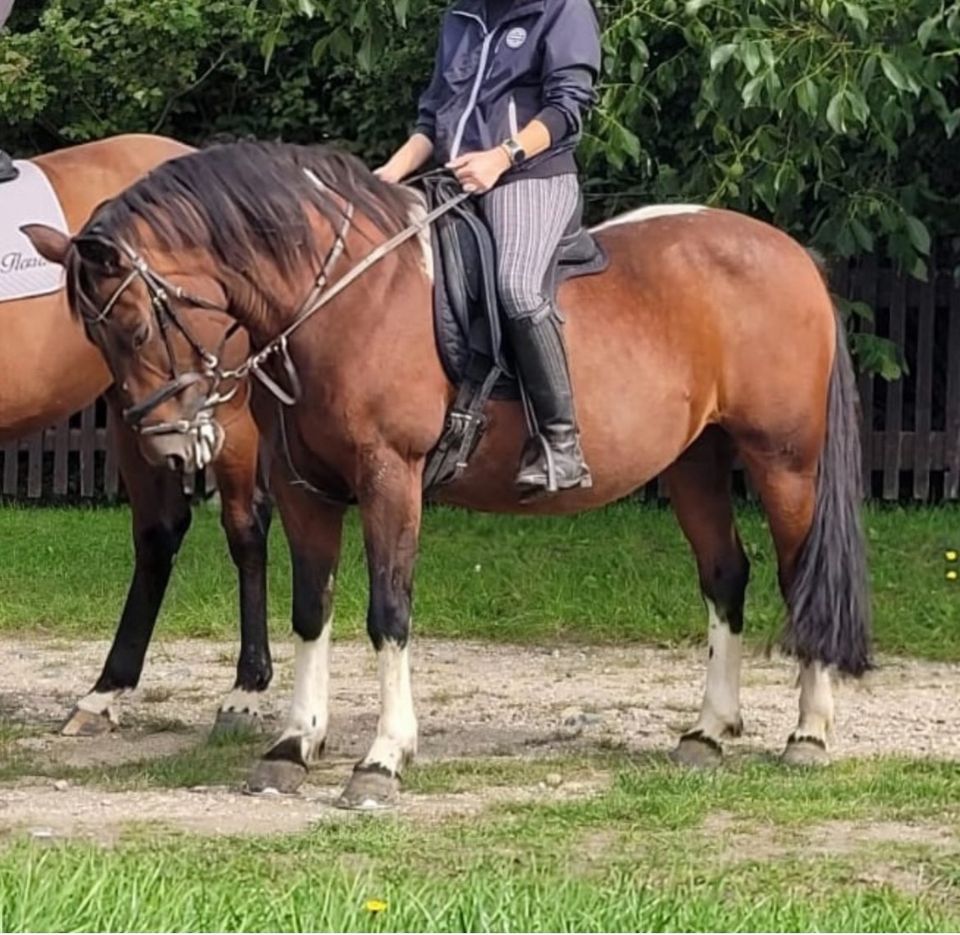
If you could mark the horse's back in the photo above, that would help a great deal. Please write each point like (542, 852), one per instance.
(49, 367)
(717, 297)
(703, 317)
(89, 173)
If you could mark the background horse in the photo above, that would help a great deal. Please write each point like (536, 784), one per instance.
(51, 370)
(710, 334)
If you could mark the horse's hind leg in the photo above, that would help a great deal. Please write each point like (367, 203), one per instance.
(788, 491)
(245, 516)
(161, 518)
(699, 484)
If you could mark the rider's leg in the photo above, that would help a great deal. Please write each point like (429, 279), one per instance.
(527, 218)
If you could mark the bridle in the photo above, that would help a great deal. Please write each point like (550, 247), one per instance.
(163, 294)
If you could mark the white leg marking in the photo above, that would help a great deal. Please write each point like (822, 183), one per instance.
(721, 699)
(396, 740)
(241, 701)
(310, 708)
(816, 702)
(101, 703)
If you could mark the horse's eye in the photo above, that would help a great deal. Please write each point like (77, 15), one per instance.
(140, 336)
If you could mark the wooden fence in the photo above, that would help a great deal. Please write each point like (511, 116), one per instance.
(910, 430)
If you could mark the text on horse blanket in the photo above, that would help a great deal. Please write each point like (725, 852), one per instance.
(28, 199)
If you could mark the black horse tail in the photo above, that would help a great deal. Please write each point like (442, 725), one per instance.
(829, 599)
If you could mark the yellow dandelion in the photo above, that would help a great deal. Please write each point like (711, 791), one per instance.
(953, 574)
(951, 555)
(375, 905)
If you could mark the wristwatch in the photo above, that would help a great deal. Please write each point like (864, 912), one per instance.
(515, 151)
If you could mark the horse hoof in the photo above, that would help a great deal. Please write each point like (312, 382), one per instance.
(281, 777)
(370, 790)
(237, 724)
(697, 753)
(81, 723)
(805, 752)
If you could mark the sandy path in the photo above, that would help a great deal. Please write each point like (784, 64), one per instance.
(473, 699)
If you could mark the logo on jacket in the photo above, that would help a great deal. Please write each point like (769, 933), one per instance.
(516, 37)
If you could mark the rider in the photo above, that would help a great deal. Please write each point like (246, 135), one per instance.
(512, 82)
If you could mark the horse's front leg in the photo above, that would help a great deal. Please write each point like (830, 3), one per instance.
(245, 515)
(161, 518)
(390, 504)
(313, 531)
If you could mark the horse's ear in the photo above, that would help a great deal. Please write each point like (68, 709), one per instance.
(98, 252)
(50, 243)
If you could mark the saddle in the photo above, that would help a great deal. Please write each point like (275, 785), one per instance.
(467, 317)
(8, 171)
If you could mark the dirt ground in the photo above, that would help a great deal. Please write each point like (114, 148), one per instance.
(473, 700)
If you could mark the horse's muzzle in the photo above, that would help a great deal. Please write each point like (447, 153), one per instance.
(183, 446)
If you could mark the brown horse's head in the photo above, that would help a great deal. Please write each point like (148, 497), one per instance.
(158, 324)
(162, 275)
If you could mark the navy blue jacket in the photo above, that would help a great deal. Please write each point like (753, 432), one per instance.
(540, 60)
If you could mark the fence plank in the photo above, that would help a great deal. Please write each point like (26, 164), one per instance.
(862, 287)
(61, 459)
(893, 423)
(35, 466)
(111, 473)
(88, 439)
(925, 293)
(11, 468)
(952, 441)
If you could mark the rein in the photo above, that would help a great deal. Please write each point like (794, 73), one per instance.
(320, 294)
(318, 298)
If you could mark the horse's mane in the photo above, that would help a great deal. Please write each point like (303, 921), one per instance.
(247, 200)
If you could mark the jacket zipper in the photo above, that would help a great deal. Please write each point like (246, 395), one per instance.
(475, 91)
(512, 115)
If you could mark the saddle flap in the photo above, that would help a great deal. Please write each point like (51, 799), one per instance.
(466, 305)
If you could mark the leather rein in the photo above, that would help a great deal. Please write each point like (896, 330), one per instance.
(163, 294)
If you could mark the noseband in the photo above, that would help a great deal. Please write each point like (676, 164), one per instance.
(163, 294)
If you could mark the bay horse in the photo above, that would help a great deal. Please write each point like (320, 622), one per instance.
(710, 334)
(51, 370)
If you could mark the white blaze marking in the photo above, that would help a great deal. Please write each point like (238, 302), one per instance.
(721, 699)
(816, 701)
(310, 708)
(648, 213)
(101, 703)
(396, 740)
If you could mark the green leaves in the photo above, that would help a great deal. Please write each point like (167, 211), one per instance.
(834, 119)
(858, 14)
(918, 234)
(830, 118)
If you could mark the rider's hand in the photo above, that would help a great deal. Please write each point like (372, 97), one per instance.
(479, 172)
(388, 173)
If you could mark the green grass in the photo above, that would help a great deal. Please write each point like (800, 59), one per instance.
(660, 850)
(619, 573)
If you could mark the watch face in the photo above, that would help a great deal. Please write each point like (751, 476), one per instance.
(517, 153)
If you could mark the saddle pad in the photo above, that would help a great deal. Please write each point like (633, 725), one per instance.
(27, 199)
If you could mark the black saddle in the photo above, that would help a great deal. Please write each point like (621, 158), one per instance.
(467, 316)
(8, 171)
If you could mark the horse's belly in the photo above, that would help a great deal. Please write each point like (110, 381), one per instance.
(49, 368)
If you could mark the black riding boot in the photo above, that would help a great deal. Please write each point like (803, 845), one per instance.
(552, 460)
